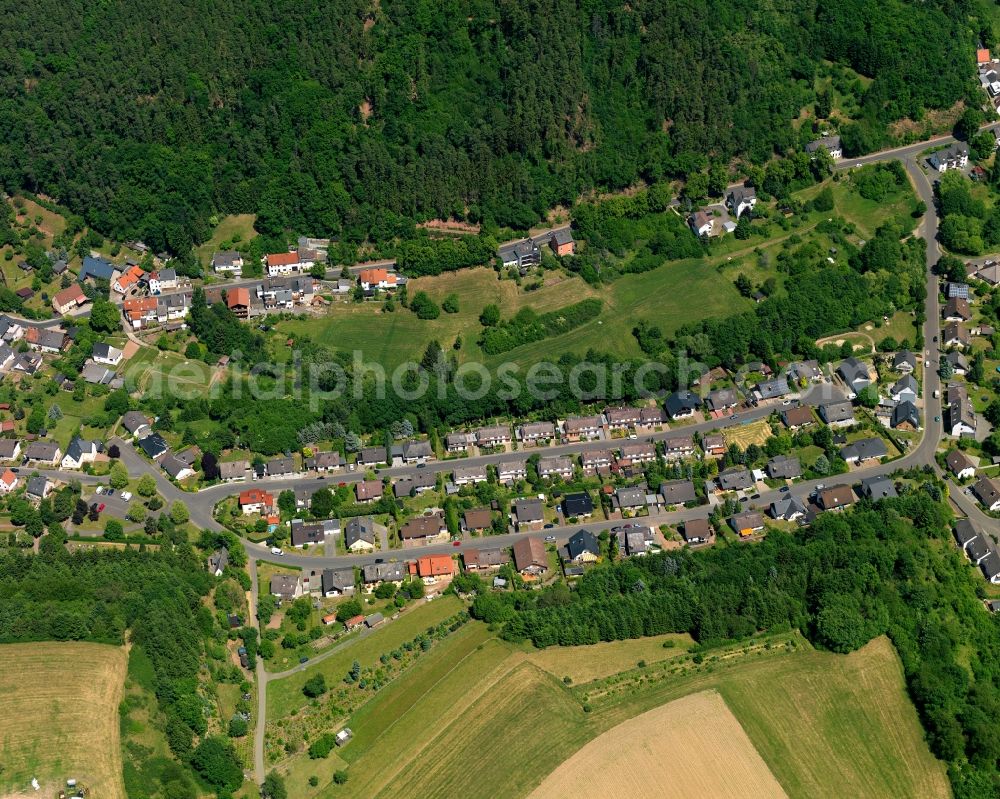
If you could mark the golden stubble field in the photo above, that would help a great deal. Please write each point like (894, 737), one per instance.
(59, 718)
(693, 746)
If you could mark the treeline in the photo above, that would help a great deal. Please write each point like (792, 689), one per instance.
(888, 569)
(427, 256)
(528, 326)
(358, 122)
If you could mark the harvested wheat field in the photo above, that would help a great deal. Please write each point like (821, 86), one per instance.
(692, 746)
(60, 717)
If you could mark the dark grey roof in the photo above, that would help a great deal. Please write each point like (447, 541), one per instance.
(582, 541)
(359, 528)
(864, 448)
(965, 531)
(97, 268)
(769, 389)
(577, 504)
(904, 358)
(906, 411)
(878, 488)
(377, 572)
(737, 477)
(783, 466)
(681, 402)
(153, 445)
(787, 506)
(678, 491)
(36, 485)
(339, 580)
(837, 411)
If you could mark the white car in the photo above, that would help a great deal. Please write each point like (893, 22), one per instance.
(276, 551)
(126, 495)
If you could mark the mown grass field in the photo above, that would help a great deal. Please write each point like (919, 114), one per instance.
(60, 717)
(241, 224)
(586, 663)
(478, 718)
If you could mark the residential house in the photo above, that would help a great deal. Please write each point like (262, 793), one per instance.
(69, 299)
(377, 279)
(577, 428)
(960, 464)
(583, 547)
(630, 498)
(45, 339)
(697, 531)
(634, 541)
(701, 223)
(622, 418)
(714, 446)
(281, 467)
(835, 497)
(740, 200)
(8, 481)
(466, 475)
(312, 533)
(255, 500)
(482, 559)
(772, 389)
(681, 404)
(795, 418)
(411, 486)
(228, 262)
(230, 471)
(374, 620)
(528, 514)
(787, 507)
(960, 414)
(678, 492)
(106, 354)
(162, 280)
(904, 362)
(954, 157)
(424, 529)
(6, 357)
(153, 445)
(642, 452)
(38, 487)
(837, 414)
(555, 467)
(578, 505)
(512, 469)
(80, 452)
(417, 451)
(97, 375)
(47, 453)
(534, 432)
(128, 280)
(431, 567)
(140, 311)
(372, 456)
(955, 335)
(829, 143)
(477, 520)
(238, 301)
(678, 447)
(735, 478)
(990, 567)
(957, 310)
(784, 467)
(368, 490)
(459, 442)
(905, 389)
(10, 449)
(649, 417)
(958, 362)
(94, 268)
(373, 574)
(987, 491)
(136, 423)
(722, 399)
(172, 307)
(31, 362)
(747, 523)
(337, 582)
(322, 462)
(855, 374)
(495, 436)
(805, 372)
(864, 449)
(521, 254)
(905, 416)
(360, 534)
(283, 263)
(593, 460)
(876, 488)
(977, 550)
(218, 561)
(286, 587)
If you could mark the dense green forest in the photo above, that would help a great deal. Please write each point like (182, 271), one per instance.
(355, 118)
(888, 569)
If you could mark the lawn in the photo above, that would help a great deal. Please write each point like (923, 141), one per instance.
(155, 372)
(60, 717)
(825, 725)
(585, 663)
(237, 224)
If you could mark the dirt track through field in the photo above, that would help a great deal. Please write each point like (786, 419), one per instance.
(693, 746)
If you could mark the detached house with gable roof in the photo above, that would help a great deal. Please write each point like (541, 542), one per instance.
(741, 199)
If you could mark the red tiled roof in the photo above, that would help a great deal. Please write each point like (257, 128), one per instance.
(254, 496)
(435, 565)
(238, 298)
(282, 258)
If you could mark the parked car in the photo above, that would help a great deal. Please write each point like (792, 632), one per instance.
(456, 543)
(126, 495)
(276, 551)
(100, 508)
(550, 538)
(304, 659)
